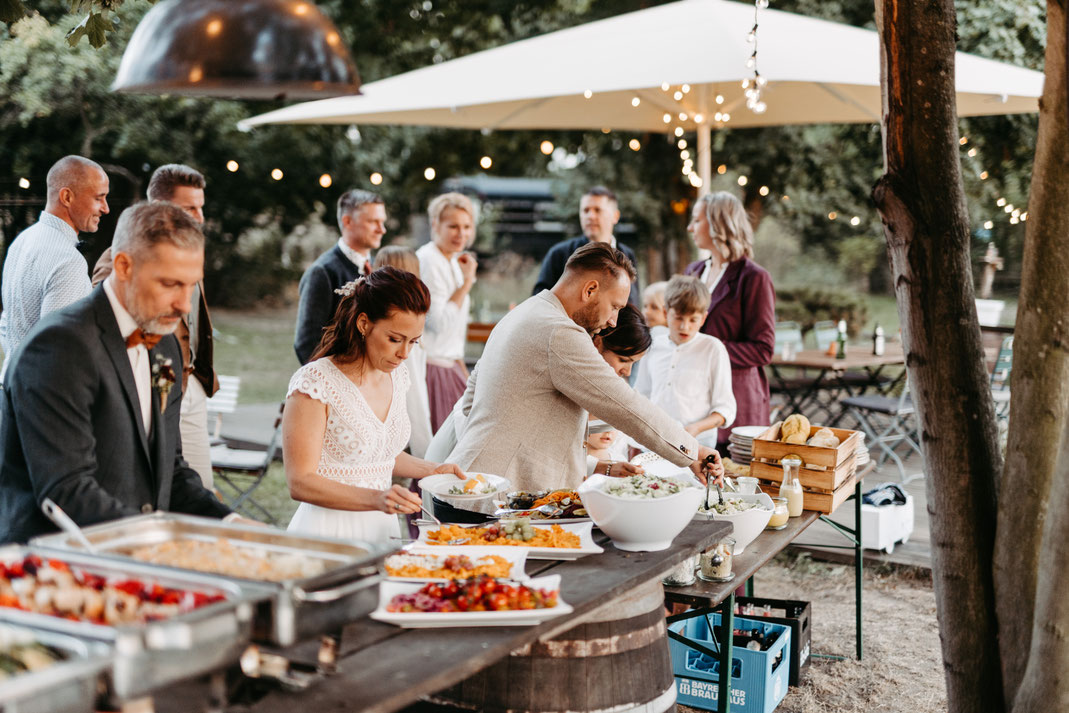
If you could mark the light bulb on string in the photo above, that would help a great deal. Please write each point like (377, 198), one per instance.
(685, 88)
(681, 144)
(1000, 202)
(722, 169)
(678, 95)
(325, 180)
(486, 162)
(276, 173)
(679, 131)
(635, 101)
(855, 221)
(24, 183)
(988, 225)
(546, 147)
(232, 166)
(684, 154)
(375, 178)
(634, 144)
(743, 180)
(588, 94)
(429, 173)
(682, 116)
(763, 190)
(667, 118)
(699, 118)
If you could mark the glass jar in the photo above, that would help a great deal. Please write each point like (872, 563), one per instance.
(780, 514)
(715, 563)
(682, 574)
(791, 488)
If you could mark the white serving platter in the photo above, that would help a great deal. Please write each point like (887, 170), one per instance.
(436, 620)
(587, 546)
(517, 557)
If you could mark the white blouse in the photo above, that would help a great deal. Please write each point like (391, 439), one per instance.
(689, 381)
(446, 330)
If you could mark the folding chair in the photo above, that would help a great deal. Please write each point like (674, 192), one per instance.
(825, 332)
(1000, 379)
(243, 470)
(889, 422)
(225, 400)
(788, 391)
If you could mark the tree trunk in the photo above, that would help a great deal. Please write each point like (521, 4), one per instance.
(1038, 410)
(922, 204)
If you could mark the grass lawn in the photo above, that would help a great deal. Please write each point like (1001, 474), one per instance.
(257, 346)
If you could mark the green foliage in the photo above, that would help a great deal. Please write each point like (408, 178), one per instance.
(809, 305)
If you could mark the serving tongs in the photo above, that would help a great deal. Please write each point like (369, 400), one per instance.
(63, 521)
(709, 460)
(547, 512)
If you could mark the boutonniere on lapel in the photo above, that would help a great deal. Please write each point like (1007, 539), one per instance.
(163, 378)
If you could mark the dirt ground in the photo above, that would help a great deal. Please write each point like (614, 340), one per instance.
(902, 669)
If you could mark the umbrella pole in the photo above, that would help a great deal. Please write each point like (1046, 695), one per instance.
(705, 158)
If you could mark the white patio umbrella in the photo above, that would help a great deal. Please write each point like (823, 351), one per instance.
(675, 65)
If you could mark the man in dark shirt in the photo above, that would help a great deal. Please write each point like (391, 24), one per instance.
(598, 214)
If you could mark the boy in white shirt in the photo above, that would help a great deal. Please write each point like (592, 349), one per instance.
(685, 372)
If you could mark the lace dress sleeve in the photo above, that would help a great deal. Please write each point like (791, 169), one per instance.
(310, 380)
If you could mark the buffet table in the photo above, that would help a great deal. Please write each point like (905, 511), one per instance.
(383, 668)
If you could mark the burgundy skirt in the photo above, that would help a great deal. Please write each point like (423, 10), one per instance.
(445, 386)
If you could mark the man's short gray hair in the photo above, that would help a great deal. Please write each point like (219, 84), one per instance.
(351, 201)
(145, 225)
(69, 172)
(170, 176)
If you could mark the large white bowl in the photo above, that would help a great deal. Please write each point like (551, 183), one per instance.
(749, 524)
(640, 525)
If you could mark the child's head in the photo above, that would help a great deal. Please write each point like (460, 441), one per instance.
(653, 305)
(600, 436)
(398, 256)
(686, 301)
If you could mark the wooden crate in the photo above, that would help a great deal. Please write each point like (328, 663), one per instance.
(819, 500)
(768, 448)
(822, 480)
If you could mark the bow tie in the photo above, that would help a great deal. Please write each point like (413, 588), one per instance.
(139, 336)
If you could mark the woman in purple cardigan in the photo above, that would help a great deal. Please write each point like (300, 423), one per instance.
(742, 310)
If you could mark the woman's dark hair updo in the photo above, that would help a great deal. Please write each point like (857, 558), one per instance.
(630, 337)
(385, 290)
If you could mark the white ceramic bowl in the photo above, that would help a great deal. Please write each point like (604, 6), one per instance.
(749, 524)
(640, 525)
(440, 483)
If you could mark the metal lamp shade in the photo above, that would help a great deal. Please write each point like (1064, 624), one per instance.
(237, 49)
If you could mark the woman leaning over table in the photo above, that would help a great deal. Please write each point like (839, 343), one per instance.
(742, 310)
(449, 273)
(345, 425)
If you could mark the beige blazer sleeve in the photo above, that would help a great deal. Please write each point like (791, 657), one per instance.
(581, 374)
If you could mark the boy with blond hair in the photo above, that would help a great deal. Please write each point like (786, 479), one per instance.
(685, 372)
(653, 308)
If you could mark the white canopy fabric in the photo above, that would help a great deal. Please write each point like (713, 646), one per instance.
(817, 72)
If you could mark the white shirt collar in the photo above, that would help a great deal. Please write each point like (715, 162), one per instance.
(612, 241)
(354, 257)
(56, 223)
(127, 325)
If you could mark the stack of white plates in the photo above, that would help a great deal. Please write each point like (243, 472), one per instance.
(861, 455)
(740, 443)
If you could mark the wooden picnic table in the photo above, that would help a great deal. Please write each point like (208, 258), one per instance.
(858, 372)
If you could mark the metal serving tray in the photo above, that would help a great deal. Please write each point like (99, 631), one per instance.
(69, 686)
(154, 654)
(298, 609)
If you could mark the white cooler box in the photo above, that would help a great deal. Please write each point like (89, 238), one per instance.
(883, 527)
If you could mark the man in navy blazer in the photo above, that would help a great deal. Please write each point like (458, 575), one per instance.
(91, 405)
(599, 213)
(362, 220)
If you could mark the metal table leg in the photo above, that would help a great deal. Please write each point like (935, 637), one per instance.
(727, 628)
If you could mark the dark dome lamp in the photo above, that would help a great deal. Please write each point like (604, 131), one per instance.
(237, 49)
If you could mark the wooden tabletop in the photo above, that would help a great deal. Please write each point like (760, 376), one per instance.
(384, 668)
(767, 545)
(857, 357)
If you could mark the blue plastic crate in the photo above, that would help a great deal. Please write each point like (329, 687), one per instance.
(758, 680)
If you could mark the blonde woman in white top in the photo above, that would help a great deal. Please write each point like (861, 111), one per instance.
(449, 273)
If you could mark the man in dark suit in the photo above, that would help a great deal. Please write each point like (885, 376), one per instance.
(598, 214)
(184, 186)
(91, 416)
(362, 220)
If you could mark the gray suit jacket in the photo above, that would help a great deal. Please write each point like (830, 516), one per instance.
(528, 398)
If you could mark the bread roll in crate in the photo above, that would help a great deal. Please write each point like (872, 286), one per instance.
(824, 467)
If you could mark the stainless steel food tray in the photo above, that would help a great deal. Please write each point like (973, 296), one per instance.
(154, 654)
(68, 686)
(298, 609)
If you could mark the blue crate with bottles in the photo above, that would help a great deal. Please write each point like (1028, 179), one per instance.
(760, 663)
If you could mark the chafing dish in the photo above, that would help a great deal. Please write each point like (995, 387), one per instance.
(68, 686)
(298, 609)
(153, 654)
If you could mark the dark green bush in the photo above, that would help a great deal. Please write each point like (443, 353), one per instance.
(809, 305)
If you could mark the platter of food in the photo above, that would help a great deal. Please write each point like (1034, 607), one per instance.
(560, 506)
(642, 513)
(477, 486)
(541, 541)
(447, 563)
(46, 672)
(483, 601)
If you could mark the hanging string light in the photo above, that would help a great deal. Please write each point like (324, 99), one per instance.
(754, 86)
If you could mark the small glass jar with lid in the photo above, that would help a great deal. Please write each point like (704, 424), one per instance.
(780, 514)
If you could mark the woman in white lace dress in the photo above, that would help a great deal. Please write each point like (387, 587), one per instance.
(346, 424)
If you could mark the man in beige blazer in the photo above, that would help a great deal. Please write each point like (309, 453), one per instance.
(540, 374)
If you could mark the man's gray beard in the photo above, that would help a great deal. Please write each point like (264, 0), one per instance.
(153, 326)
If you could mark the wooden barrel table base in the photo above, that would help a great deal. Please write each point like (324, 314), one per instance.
(615, 661)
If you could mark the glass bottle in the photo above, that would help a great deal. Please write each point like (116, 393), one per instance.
(878, 341)
(791, 488)
(840, 340)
